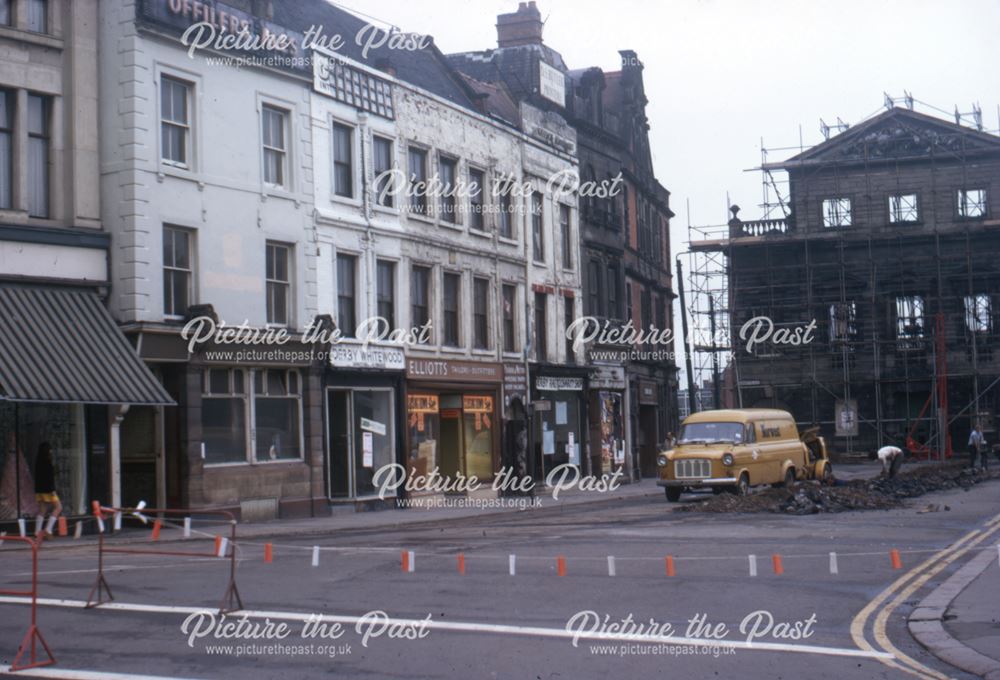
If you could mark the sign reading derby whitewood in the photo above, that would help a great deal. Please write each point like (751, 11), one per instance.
(226, 29)
(450, 370)
(544, 382)
(367, 356)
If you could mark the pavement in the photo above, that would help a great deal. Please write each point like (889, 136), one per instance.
(959, 621)
(464, 608)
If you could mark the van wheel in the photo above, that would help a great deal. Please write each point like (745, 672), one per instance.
(673, 493)
(828, 474)
(789, 478)
(743, 486)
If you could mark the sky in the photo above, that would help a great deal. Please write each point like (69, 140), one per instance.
(720, 75)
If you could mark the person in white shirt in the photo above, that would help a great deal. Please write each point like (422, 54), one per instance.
(888, 455)
(977, 448)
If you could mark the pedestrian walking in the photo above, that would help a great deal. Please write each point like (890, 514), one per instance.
(45, 486)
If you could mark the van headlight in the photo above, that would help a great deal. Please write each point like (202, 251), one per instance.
(661, 460)
(727, 459)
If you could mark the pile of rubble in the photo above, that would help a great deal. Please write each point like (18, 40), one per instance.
(807, 498)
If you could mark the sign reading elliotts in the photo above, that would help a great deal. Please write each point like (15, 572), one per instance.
(451, 370)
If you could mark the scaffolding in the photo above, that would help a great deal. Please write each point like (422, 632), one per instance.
(885, 301)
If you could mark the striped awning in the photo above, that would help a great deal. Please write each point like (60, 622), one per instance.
(62, 346)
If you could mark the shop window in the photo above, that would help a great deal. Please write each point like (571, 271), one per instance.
(386, 289)
(509, 305)
(279, 283)
(373, 437)
(175, 121)
(452, 294)
(346, 299)
(343, 160)
(425, 431)
(277, 414)
(477, 414)
(274, 123)
(480, 313)
(382, 160)
(178, 245)
(39, 113)
(224, 416)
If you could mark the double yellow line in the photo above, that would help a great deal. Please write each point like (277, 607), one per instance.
(903, 588)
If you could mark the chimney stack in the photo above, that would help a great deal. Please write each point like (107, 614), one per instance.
(523, 27)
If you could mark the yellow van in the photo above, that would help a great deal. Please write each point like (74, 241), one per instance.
(739, 448)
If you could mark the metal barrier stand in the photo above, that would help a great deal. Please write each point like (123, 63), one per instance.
(31, 639)
(231, 600)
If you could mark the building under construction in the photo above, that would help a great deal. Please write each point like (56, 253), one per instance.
(887, 246)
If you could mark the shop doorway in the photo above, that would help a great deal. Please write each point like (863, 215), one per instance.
(649, 436)
(360, 439)
(141, 459)
(452, 436)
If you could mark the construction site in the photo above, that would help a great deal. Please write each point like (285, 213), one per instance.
(882, 238)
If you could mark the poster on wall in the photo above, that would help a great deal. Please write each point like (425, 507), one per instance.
(846, 417)
(367, 449)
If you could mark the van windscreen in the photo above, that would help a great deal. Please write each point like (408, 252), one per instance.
(707, 433)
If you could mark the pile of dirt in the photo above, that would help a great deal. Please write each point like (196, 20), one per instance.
(807, 498)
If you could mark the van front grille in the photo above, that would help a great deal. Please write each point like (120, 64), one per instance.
(697, 468)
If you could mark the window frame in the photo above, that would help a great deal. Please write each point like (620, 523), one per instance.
(44, 135)
(511, 318)
(481, 316)
(541, 327)
(271, 283)
(190, 271)
(844, 219)
(477, 215)
(380, 299)
(417, 204)
(253, 395)
(537, 216)
(447, 339)
(352, 130)
(43, 7)
(390, 196)
(503, 188)
(566, 231)
(894, 214)
(347, 330)
(187, 126)
(427, 272)
(283, 153)
(974, 313)
(961, 206)
(7, 129)
(447, 205)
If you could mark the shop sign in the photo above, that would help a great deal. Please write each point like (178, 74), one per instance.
(373, 426)
(422, 403)
(461, 371)
(607, 377)
(359, 356)
(515, 381)
(647, 393)
(214, 24)
(542, 405)
(548, 383)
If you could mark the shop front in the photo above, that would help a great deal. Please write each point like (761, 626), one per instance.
(67, 377)
(607, 408)
(364, 387)
(452, 418)
(560, 417)
(649, 435)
